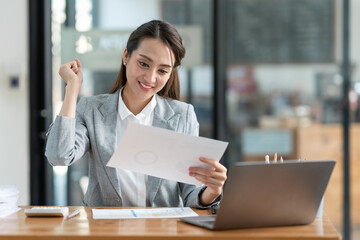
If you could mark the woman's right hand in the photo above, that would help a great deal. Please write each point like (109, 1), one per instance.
(72, 74)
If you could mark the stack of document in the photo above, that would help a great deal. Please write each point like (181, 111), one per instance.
(8, 200)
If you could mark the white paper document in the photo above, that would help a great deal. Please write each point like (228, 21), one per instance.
(136, 213)
(163, 153)
(6, 213)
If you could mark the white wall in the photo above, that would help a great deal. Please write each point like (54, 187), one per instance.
(14, 102)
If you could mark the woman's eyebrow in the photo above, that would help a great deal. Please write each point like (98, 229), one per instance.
(148, 58)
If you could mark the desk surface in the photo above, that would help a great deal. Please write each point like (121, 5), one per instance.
(18, 226)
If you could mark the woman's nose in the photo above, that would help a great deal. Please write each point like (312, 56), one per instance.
(150, 76)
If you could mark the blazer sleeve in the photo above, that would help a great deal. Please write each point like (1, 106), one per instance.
(190, 193)
(68, 138)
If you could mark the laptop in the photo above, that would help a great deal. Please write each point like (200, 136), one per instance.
(259, 194)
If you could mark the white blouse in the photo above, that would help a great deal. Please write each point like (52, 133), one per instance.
(133, 185)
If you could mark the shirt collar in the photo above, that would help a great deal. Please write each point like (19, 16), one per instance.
(124, 112)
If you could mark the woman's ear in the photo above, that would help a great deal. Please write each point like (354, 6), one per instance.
(125, 56)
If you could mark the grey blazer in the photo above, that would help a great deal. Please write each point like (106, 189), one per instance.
(94, 131)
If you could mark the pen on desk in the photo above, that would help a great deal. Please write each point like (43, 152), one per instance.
(73, 214)
(267, 159)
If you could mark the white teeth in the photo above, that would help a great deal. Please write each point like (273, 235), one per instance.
(144, 85)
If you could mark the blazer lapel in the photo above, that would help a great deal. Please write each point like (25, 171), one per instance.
(107, 131)
(164, 117)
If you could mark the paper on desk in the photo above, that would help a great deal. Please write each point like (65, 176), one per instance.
(4, 214)
(163, 153)
(143, 213)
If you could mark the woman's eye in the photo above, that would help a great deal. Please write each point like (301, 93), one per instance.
(143, 64)
(162, 71)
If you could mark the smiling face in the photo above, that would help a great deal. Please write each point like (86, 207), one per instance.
(147, 71)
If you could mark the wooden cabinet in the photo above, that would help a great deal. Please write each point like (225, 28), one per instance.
(326, 142)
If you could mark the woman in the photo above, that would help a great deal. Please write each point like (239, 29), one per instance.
(147, 92)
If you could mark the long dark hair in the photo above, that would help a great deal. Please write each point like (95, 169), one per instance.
(168, 35)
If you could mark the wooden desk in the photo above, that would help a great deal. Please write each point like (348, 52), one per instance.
(18, 226)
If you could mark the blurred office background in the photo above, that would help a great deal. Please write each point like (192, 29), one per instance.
(265, 75)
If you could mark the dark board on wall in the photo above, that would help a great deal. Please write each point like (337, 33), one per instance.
(280, 30)
(264, 31)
